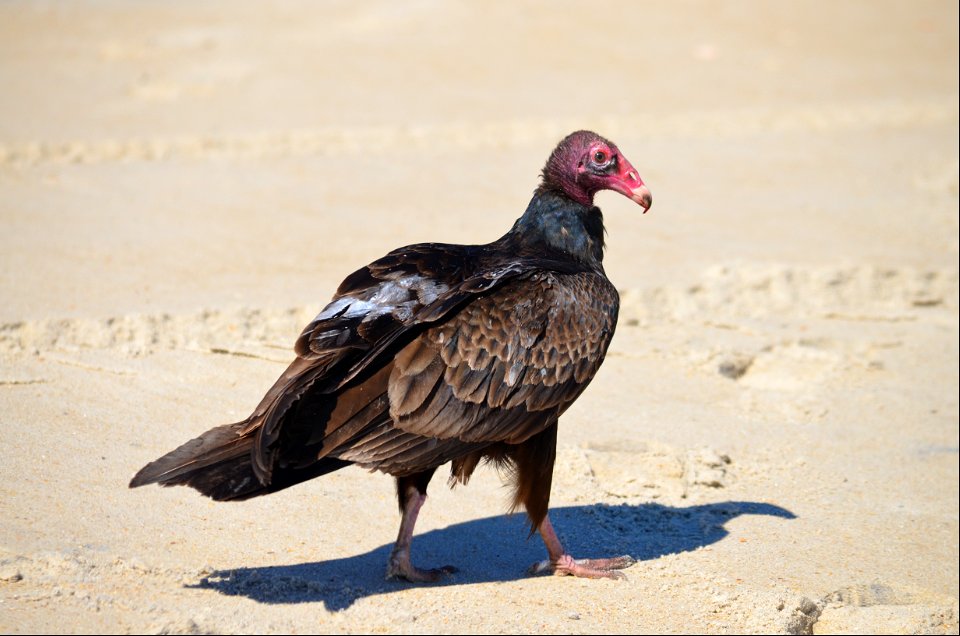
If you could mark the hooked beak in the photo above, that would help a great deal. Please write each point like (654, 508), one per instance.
(642, 196)
(628, 183)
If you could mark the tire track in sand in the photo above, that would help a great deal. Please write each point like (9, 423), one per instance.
(465, 136)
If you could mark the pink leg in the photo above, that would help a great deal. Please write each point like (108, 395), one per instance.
(562, 564)
(399, 565)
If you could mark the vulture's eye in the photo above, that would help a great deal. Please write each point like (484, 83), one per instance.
(600, 157)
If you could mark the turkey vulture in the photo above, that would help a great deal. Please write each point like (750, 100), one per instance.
(441, 353)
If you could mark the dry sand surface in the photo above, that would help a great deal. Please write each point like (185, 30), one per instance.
(773, 436)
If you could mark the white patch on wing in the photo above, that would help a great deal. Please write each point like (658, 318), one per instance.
(430, 290)
(390, 294)
(400, 297)
(350, 308)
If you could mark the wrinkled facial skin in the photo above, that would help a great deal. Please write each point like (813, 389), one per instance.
(585, 163)
(602, 167)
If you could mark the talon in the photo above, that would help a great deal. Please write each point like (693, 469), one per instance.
(540, 567)
(566, 565)
(404, 570)
(613, 563)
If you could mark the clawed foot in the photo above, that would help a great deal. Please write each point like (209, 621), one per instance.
(399, 567)
(566, 565)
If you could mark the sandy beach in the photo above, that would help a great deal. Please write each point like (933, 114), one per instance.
(774, 433)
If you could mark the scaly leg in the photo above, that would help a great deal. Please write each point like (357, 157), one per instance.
(534, 460)
(412, 492)
(562, 564)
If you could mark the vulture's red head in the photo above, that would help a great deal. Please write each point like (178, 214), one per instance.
(585, 163)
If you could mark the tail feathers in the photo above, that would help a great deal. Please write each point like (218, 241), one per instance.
(234, 480)
(212, 463)
(226, 480)
(219, 465)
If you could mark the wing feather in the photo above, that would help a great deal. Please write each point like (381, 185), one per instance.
(431, 353)
(512, 360)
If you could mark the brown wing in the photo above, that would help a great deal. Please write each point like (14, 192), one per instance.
(501, 370)
(364, 389)
(376, 310)
(383, 297)
(531, 346)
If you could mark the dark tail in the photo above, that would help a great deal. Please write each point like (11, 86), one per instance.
(219, 464)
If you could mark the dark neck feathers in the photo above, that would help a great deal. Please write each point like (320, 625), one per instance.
(554, 221)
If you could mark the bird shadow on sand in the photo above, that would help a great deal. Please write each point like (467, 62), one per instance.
(493, 549)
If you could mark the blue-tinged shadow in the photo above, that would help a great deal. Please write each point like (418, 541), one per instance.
(494, 549)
